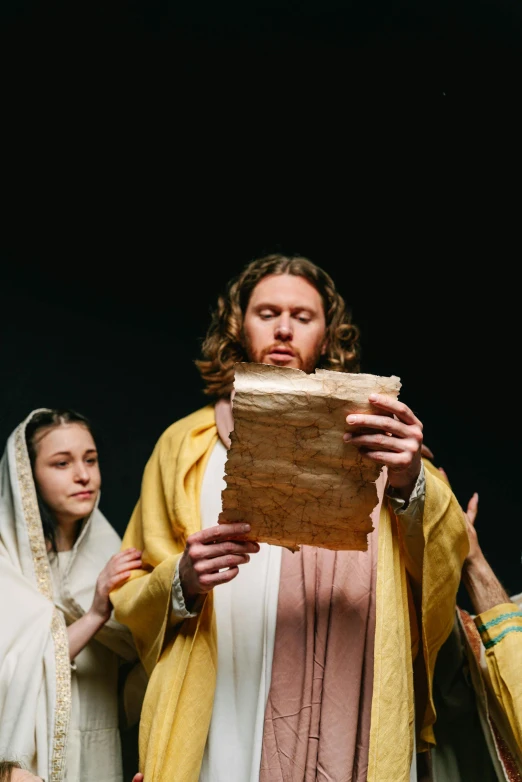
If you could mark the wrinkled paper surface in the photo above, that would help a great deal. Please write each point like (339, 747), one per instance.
(289, 473)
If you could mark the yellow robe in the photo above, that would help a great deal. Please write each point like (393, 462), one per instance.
(182, 659)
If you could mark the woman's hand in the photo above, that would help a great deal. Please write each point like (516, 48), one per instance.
(116, 571)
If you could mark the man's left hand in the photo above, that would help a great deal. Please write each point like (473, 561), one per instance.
(394, 440)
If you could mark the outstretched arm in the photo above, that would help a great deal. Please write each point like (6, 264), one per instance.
(483, 587)
(499, 622)
(116, 572)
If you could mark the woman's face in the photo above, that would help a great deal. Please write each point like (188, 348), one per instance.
(66, 471)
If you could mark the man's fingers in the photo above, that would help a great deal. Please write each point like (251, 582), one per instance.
(380, 422)
(396, 461)
(220, 532)
(393, 405)
(201, 552)
(425, 451)
(472, 508)
(210, 580)
(206, 566)
(383, 442)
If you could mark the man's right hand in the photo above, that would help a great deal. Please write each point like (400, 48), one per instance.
(212, 556)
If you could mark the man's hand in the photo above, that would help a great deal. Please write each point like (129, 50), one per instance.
(428, 454)
(470, 514)
(212, 556)
(484, 589)
(394, 440)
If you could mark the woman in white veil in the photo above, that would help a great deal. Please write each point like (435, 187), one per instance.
(60, 650)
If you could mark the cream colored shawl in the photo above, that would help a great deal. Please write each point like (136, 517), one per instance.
(35, 680)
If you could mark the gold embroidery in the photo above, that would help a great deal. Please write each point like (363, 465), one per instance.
(63, 696)
(44, 583)
(471, 631)
(508, 761)
(32, 515)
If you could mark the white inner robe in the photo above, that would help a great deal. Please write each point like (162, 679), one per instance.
(246, 611)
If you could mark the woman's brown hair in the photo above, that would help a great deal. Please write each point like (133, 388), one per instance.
(224, 345)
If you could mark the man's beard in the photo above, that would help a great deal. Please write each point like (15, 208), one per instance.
(307, 365)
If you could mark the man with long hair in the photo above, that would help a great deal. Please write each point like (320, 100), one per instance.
(266, 664)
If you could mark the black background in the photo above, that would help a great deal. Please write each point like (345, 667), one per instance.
(151, 150)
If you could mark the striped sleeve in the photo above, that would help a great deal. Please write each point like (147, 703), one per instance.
(501, 631)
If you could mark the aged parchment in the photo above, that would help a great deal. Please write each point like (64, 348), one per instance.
(289, 472)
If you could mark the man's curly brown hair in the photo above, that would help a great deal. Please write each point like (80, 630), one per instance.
(224, 344)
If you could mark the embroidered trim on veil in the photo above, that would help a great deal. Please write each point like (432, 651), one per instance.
(44, 583)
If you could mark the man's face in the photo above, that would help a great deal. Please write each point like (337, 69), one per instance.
(284, 323)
